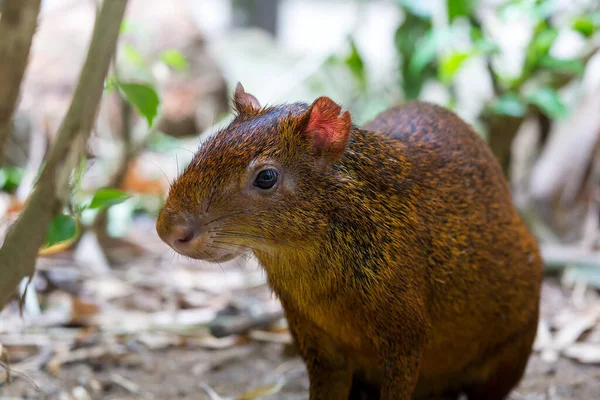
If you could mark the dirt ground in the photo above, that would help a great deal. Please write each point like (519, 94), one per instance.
(182, 374)
(187, 372)
(140, 331)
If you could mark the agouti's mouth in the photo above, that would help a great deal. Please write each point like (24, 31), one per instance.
(224, 258)
(211, 255)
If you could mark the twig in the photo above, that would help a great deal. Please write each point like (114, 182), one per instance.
(126, 384)
(9, 371)
(83, 354)
(226, 326)
(210, 392)
(558, 255)
(26, 236)
(5, 363)
(17, 27)
(270, 337)
(101, 220)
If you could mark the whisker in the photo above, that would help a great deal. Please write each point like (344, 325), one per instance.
(244, 235)
(233, 235)
(223, 217)
(183, 148)
(233, 245)
(215, 261)
(219, 247)
(160, 169)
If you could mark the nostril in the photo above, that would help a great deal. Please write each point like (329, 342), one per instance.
(189, 235)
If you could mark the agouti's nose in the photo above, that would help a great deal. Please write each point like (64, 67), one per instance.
(179, 235)
(182, 235)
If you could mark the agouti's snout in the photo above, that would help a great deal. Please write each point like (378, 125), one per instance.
(180, 233)
(194, 237)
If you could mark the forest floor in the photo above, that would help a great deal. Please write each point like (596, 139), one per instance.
(139, 331)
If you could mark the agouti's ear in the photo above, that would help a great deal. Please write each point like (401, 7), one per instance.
(245, 103)
(327, 129)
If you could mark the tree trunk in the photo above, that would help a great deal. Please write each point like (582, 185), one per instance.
(17, 26)
(501, 133)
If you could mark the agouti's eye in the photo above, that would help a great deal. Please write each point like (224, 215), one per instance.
(266, 179)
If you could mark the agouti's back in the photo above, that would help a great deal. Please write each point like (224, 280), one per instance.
(484, 267)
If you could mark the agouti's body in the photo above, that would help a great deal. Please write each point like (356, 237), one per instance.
(399, 258)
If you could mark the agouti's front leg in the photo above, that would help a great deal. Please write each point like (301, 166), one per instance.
(329, 372)
(400, 350)
(401, 372)
(328, 380)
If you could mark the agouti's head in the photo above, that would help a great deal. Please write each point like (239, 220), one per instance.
(260, 184)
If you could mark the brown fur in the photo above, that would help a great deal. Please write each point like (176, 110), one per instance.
(403, 266)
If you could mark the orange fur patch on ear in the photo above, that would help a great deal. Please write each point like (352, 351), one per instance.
(328, 130)
(245, 103)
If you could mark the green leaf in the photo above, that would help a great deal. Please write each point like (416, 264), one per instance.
(415, 42)
(486, 46)
(460, 8)
(133, 56)
(107, 197)
(10, 178)
(425, 53)
(124, 28)
(543, 38)
(143, 97)
(62, 228)
(175, 60)
(450, 64)
(355, 62)
(111, 83)
(565, 66)
(509, 104)
(584, 25)
(549, 101)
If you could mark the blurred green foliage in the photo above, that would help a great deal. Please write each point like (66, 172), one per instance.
(107, 197)
(84, 207)
(142, 96)
(426, 52)
(175, 59)
(63, 228)
(10, 177)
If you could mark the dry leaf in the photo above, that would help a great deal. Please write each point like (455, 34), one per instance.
(157, 341)
(212, 343)
(571, 332)
(588, 353)
(543, 338)
(271, 337)
(125, 383)
(15, 206)
(262, 391)
(82, 310)
(137, 181)
(87, 353)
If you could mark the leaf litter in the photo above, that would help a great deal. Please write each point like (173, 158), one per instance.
(143, 329)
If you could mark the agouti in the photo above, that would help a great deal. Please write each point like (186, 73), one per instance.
(399, 258)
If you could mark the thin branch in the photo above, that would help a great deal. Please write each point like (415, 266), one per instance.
(27, 235)
(17, 26)
(101, 221)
